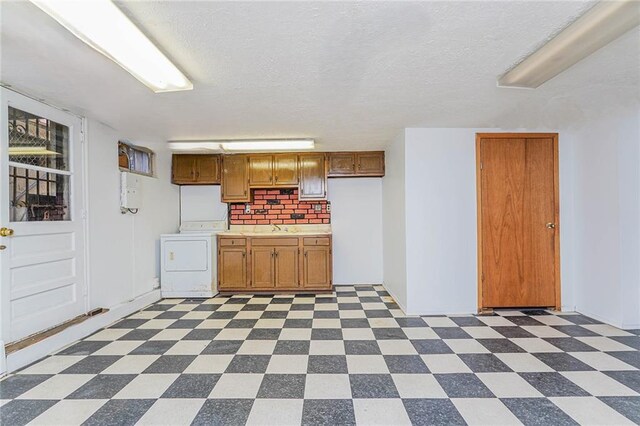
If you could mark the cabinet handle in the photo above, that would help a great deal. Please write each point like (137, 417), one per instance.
(305, 253)
(276, 178)
(243, 255)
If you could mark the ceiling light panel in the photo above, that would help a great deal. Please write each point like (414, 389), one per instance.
(268, 145)
(243, 145)
(600, 25)
(103, 26)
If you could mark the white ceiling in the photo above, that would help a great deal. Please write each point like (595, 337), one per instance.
(350, 74)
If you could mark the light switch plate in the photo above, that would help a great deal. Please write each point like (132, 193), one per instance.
(317, 207)
(247, 208)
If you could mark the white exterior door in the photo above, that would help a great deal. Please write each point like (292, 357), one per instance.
(42, 265)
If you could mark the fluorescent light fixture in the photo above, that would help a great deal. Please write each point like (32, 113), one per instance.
(101, 25)
(31, 150)
(600, 25)
(243, 145)
(194, 146)
(268, 144)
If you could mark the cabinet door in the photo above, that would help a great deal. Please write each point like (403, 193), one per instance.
(232, 267)
(261, 170)
(313, 177)
(208, 169)
(183, 169)
(235, 178)
(317, 267)
(286, 169)
(370, 163)
(342, 163)
(262, 267)
(287, 267)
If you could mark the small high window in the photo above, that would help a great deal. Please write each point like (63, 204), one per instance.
(136, 159)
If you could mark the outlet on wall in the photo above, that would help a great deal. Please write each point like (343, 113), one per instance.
(328, 206)
(247, 208)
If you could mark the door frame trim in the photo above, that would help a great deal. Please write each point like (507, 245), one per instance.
(556, 200)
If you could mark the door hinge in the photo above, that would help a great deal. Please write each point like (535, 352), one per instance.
(481, 165)
(482, 277)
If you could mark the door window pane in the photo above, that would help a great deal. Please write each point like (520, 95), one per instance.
(37, 141)
(38, 196)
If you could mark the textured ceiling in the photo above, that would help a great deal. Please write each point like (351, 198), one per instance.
(350, 74)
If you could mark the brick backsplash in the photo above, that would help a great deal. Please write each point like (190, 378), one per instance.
(278, 206)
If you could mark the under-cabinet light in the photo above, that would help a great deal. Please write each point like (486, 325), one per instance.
(103, 26)
(243, 145)
(600, 25)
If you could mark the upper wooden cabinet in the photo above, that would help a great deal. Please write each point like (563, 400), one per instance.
(355, 164)
(342, 163)
(189, 169)
(261, 170)
(267, 170)
(285, 169)
(313, 177)
(370, 163)
(235, 179)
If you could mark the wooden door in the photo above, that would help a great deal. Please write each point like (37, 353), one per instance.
(313, 177)
(317, 267)
(286, 267)
(342, 163)
(518, 216)
(235, 178)
(285, 168)
(184, 168)
(232, 267)
(262, 267)
(208, 169)
(261, 170)
(370, 163)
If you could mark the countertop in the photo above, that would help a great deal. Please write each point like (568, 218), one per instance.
(269, 230)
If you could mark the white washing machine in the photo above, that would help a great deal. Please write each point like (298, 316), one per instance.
(189, 261)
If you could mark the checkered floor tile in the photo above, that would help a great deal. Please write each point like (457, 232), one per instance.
(343, 358)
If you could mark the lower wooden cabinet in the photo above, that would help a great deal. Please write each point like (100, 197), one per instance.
(232, 267)
(269, 263)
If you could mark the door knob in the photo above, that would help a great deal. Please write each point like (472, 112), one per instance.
(2, 247)
(6, 232)
(551, 225)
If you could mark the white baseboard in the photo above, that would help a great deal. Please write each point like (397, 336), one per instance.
(32, 353)
(3, 359)
(404, 308)
(622, 326)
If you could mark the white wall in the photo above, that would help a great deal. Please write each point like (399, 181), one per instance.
(201, 203)
(356, 223)
(394, 222)
(124, 249)
(606, 191)
(441, 219)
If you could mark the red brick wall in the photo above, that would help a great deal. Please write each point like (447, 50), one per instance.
(278, 206)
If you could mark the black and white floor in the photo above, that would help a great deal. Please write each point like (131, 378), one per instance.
(343, 358)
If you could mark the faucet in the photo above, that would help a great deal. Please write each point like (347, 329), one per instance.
(274, 227)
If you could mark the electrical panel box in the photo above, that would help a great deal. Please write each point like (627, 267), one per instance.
(130, 187)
